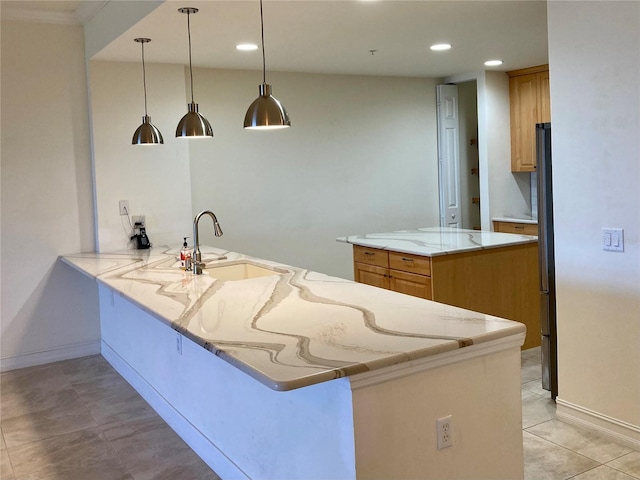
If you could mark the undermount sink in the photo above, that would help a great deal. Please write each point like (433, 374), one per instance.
(240, 271)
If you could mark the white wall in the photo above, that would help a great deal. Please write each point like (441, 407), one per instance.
(501, 191)
(594, 57)
(469, 183)
(360, 157)
(153, 178)
(509, 193)
(48, 311)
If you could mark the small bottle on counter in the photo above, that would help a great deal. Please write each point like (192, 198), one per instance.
(185, 256)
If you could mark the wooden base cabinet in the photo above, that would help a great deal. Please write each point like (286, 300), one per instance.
(497, 281)
(516, 227)
(372, 275)
(410, 283)
(402, 273)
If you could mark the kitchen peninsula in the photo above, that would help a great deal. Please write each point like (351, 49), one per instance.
(269, 371)
(493, 273)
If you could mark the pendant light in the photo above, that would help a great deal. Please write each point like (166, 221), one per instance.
(147, 133)
(266, 112)
(192, 125)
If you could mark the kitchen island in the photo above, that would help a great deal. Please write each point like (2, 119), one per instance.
(519, 225)
(271, 371)
(488, 272)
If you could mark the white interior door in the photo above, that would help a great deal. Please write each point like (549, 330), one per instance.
(449, 156)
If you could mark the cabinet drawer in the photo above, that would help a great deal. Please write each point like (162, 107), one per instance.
(410, 284)
(514, 227)
(371, 256)
(371, 275)
(410, 263)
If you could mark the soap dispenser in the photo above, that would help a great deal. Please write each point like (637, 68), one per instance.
(185, 255)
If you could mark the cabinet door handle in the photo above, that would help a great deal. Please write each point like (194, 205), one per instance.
(369, 253)
(407, 259)
(518, 227)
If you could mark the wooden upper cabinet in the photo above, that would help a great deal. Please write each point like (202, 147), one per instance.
(529, 104)
(544, 98)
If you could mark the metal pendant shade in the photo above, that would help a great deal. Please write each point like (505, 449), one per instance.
(193, 124)
(147, 133)
(266, 112)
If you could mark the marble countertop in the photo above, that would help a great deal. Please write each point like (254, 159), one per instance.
(530, 220)
(434, 241)
(294, 327)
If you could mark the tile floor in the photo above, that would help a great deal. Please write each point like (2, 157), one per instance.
(79, 419)
(554, 450)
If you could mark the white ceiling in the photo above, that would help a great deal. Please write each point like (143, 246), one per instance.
(73, 12)
(335, 36)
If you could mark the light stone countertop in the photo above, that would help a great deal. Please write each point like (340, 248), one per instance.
(530, 220)
(296, 327)
(434, 241)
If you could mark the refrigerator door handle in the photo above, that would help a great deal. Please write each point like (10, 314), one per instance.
(543, 262)
(543, 259)
(545, 315)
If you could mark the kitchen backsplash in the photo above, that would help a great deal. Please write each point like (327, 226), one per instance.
(534, 195)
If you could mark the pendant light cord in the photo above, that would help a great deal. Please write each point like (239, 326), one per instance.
(264, 66)
(190, 67)
(144, 81)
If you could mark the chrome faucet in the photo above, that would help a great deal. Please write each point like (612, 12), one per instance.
(197, 264)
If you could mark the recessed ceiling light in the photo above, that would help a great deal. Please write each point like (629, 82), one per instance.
(438, 47)
(246, 47)
(493, 63)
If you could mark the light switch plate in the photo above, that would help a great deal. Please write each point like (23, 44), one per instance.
(613, 239)
(124, 207)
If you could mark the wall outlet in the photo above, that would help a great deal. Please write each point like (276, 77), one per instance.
(140, 219)
(179, 343)
(444, 432)
(124, 207)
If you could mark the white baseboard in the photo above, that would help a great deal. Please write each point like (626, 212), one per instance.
(55, 355)
(199, 443)
(618, 430)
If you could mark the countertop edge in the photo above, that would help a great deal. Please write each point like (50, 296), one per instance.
(451, 347)
(363, 243)
(529, 221)
(431, 362)
(72, 265)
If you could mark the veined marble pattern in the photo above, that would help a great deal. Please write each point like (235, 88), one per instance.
(434, 241)
(288, 327)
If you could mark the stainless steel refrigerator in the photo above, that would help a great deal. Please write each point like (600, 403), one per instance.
(546, 260)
